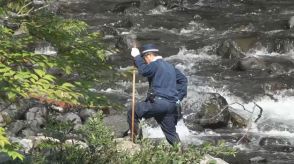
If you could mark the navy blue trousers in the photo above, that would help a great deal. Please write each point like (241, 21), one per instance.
(163, 111)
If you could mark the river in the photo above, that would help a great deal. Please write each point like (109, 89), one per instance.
(190, 34)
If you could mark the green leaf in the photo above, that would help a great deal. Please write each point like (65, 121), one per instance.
(35, 77)
(39, 72)
(67, 85)
(11, 95)
(14, 155)
(9, 74)
(5, 69)
(49, 77)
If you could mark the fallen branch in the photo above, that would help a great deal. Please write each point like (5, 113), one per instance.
(260, 113)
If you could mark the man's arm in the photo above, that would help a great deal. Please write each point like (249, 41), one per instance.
(182, 83)
(146, 70)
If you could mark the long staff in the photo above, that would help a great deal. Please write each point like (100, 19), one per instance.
(134, 44)
(133, 104)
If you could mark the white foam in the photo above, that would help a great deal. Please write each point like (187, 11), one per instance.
(282, 108)
(156, 132)
(195, 27)
(186, 57)
(158, 10)
(261, 52)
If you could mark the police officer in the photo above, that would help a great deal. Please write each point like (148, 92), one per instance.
(167, 86)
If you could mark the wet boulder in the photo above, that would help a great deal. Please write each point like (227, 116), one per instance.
(237, 120)
(229, 49)
(249, 63)
(279, 144)
(121, 7)
(269, 64)
(206, 110)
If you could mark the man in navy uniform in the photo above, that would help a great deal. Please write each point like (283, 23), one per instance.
(167, 87)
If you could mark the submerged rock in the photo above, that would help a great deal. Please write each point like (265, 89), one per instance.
(121, 7)
(279, 144)
(249, 63)
(257, 159)
(210, 110)
(229, 50)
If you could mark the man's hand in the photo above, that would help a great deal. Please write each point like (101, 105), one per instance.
(135, 52)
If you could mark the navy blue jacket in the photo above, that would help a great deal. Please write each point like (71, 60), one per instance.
(164, 79)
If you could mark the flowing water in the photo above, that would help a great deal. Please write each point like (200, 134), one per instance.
(188, 33)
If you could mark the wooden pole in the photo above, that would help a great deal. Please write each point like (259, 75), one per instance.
(133, 104)
(134, 44)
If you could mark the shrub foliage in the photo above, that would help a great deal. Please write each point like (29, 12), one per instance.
(101, 148)
(27, 72)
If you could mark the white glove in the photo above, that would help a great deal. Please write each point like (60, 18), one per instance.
(135, 52)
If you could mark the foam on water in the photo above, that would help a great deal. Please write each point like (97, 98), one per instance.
(195, 27)
(156, 132)
(186, 57)
(158, 10)
(184, 133)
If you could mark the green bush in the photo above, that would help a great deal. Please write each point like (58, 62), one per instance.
(8, 148)
(25, 74)
(100, 145)
(102, 148)
(166, 154)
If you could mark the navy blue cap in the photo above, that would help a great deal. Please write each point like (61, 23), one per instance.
(148, 48)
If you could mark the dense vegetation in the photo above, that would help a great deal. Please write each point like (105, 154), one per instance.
(65, 76)
(102, 148)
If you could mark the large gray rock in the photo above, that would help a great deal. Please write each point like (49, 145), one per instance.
(117, 123)
(208, 110)
(36, 118)
(86, 113)
(15, 128)
(72, 117)
(237, 120)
